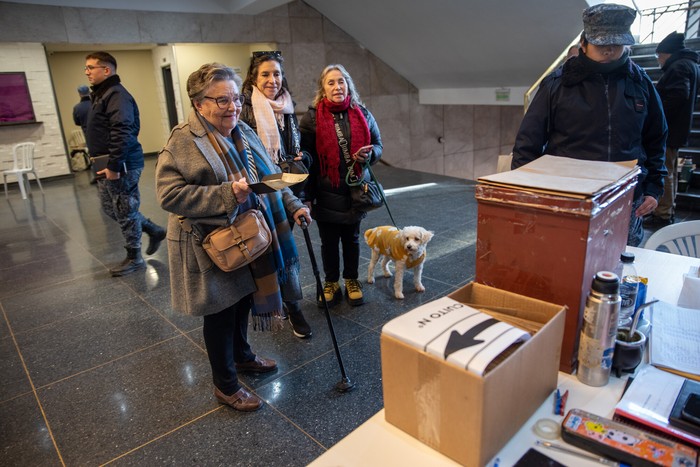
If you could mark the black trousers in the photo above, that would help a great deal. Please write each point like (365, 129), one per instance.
(331, 236)
(226, 339)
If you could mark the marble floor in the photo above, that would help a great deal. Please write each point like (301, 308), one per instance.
(98, 370)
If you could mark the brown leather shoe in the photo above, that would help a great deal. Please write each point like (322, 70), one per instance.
(242, 400)
(259, 365)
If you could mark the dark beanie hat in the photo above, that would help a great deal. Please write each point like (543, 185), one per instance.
(671, 43)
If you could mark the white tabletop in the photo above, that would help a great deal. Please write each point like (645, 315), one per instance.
(378, 443)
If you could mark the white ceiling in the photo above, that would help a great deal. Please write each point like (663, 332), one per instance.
(436, 44)
(461, 43)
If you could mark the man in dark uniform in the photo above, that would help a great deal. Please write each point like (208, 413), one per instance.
(112, 130)
(601, 106)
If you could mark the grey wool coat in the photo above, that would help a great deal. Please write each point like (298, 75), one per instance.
(191, 181)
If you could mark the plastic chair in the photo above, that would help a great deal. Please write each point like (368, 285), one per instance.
(23, 155)
(79, 159)
(680, 239)
(504, 163)
(77, 139)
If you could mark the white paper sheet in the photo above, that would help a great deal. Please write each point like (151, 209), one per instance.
(675, 338)
(458, 333)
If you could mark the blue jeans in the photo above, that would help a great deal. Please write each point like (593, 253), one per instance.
(120, 200)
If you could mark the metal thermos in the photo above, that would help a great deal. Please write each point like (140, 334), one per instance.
(595, 350)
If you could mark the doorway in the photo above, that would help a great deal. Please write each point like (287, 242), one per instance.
(169, 95)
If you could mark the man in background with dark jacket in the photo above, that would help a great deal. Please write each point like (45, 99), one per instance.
(80, 115)
(677, 88)
(81, 109)
(112, 130)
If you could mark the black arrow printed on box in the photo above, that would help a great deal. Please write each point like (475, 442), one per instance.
(452, 333)
(459, 344)
(459, 341)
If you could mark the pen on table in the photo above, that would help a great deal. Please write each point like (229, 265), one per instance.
(582, 455)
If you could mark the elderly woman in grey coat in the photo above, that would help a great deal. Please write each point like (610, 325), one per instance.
(202, 177)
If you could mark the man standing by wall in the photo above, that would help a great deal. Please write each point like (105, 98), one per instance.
(112, 129)
(80, 115)
(81, 109)
(677, 88)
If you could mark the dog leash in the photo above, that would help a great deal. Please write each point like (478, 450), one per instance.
(381, 192)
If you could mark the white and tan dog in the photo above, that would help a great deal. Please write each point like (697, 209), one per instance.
(406, 247)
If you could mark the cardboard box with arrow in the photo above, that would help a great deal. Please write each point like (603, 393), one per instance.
(471, 366)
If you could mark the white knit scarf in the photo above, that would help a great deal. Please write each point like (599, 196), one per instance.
(269, 118)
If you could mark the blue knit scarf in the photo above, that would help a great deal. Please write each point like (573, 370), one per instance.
(274, 267)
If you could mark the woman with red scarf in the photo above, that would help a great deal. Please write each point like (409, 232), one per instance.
(338, 114)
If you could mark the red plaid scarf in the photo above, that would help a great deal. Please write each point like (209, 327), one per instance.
(329, 151)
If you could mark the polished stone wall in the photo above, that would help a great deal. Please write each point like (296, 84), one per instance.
(462, 141)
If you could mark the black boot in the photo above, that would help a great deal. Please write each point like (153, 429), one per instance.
(133, 262)
(156, 234)
(300, 327)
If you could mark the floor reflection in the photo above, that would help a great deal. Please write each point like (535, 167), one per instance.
(96, 369)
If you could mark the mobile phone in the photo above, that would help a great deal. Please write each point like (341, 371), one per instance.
(691, 409)
(534, 458)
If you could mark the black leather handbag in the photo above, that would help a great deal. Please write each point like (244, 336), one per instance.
(367, 196)
(288, 165)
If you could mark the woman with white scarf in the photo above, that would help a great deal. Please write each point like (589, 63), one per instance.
(269, 110)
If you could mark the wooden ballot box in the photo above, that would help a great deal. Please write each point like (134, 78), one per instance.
(537, 239)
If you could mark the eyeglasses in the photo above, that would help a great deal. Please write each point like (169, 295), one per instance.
(225, 101)
(268, 53)
(92, 67)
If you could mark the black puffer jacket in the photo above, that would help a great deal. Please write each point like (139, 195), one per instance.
(113, 126)
(677, 88)
(332, 204)
(615, 116)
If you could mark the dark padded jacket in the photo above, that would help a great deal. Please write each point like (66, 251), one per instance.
(113, 126)
(80, 113)
(614, 117)
(677, 88)
(332, 204)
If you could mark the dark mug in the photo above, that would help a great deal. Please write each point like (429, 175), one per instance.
(628, 355)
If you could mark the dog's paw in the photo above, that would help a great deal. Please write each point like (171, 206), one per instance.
(398, 295)
(370, 280)
(387, 273)
(420, 288)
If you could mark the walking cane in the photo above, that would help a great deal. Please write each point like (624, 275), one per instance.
(344, 385)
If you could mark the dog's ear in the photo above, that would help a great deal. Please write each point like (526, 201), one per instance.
(426, 235)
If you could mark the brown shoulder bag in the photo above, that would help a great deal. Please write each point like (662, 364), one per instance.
(240, 243)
